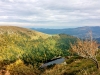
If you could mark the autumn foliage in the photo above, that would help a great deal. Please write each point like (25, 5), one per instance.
(87, 48)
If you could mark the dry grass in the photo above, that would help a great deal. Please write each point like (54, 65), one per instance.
(23, 31)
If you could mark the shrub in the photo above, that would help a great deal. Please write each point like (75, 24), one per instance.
(19, 68)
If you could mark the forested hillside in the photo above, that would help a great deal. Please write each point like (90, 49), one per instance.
(22, 51)
(30, 46)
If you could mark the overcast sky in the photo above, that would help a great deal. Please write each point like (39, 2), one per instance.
(50, 13)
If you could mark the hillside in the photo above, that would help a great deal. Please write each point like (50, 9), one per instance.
(11, 30)
(80, 32)
(32, 47)
(22, 51)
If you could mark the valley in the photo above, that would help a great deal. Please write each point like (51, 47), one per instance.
(80, 32)
(23, 51)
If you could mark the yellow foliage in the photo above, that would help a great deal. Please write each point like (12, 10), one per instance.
(19, 61)
(19, 68)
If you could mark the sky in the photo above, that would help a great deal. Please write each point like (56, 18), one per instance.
(50, 13)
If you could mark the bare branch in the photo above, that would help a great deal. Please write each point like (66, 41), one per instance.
(87, 48)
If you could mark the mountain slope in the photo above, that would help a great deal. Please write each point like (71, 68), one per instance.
(22, 54)
(10, 30)
(31, 46)
(79, 32)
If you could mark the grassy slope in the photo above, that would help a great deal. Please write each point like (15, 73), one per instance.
(18, 30)
(75, 66)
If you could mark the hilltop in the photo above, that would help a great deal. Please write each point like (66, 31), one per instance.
(10, 30)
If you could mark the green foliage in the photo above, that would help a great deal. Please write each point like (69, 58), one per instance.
(77, 67)
(20, 48)
(19, 68)
(31, 46)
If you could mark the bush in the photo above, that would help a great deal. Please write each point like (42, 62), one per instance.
(19, 68)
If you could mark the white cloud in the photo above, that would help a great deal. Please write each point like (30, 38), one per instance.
(50, 12)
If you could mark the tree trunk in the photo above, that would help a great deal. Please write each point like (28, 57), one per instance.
(96, 62)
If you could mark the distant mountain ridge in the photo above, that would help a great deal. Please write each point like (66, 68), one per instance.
(80, 32)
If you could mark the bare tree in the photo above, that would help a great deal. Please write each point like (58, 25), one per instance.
(87, 48)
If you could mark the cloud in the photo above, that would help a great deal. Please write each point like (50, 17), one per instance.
(50, 12)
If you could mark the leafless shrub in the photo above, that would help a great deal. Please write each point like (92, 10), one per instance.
(87, 48)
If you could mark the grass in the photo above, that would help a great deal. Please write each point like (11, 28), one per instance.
(74, 66)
